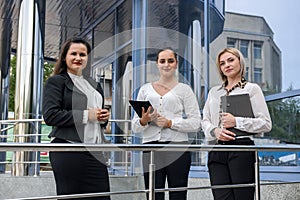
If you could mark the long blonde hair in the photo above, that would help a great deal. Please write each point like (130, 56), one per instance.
(235, 52)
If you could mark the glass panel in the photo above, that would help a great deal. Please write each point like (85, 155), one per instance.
(257, 75)
(257, 50)
(124, 22)
(285, 129)
(164, 22)
(244, 48)
(104, 32)
(231, 42)
(279, 158)
(171, 25)
(219, 5)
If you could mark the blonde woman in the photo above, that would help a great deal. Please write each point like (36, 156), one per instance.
(227, 168)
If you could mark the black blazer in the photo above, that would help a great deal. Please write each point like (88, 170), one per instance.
(63, 106)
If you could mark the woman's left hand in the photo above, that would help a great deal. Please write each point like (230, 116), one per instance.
(228, 120)
(162, 122)
(103, 115)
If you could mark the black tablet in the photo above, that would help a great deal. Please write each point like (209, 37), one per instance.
(137, 106)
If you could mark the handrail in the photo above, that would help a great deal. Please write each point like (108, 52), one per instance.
(41, 120)
(151, 147)
(13, 122)
(142, 147)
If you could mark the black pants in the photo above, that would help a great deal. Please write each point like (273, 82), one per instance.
(79, 173)
(226, 168)
(171, 166)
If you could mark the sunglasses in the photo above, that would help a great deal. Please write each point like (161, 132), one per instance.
(163, 61)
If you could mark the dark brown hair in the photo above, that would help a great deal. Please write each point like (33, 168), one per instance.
(61, 65)
(170, 49)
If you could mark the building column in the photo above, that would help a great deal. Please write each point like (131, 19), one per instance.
(29, 79)
(139, 60)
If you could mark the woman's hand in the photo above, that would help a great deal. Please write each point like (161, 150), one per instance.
(228, 120)
(163, 122)
(103, 115)
(147, 116)
(98, 114)
(224, 135)
(92, 114)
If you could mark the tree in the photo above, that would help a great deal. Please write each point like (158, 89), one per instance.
(12, 83)
(285, 115)
(48, 68)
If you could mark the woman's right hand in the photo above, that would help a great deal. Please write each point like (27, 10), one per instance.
(147, 116)
(224, 134)
(103, 115)
(94, 114)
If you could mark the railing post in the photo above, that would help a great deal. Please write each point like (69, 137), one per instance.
(257, 179)
(152, 177)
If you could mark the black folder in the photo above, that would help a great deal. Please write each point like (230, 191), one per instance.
(238, 106)
(137, 106)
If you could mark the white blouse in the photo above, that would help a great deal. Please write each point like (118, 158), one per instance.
(92, 130)
(179, 105)
(261, 123)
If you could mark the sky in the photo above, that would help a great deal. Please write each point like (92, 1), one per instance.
(283, 18)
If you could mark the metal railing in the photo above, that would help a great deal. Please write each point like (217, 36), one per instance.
(12, 123)
(152, 148)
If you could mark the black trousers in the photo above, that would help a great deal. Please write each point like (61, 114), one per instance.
(226, 168)
(171, 166)
(79, 173)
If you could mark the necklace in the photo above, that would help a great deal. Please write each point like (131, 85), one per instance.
(240, 84)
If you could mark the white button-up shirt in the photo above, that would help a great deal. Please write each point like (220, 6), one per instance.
(260, 123)
(179, 105)
(92, 130)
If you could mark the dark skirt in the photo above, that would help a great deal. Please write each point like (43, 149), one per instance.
(79, 172)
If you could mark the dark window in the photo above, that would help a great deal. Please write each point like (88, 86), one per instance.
(258, 75)
(257, 50)
(231, 42)
(244, 48)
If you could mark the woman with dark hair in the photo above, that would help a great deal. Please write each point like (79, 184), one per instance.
(176, 113)
(73, 104)
(224, 128)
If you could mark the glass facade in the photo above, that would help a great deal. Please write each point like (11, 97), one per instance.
(130, 54)
(125, 36)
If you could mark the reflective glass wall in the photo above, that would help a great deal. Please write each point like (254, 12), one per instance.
(125, 44)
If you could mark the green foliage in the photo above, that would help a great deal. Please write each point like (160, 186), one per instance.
(48, 68)
(12, 83)
(285, 116)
